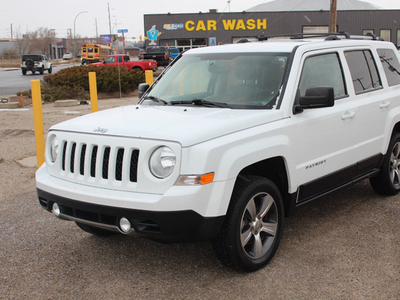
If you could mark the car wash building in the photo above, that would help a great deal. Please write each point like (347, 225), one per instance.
(192, 30)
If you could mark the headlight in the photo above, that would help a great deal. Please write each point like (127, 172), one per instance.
(162, 162)
(54, 148)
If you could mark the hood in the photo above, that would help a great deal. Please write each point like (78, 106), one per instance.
(183, 124)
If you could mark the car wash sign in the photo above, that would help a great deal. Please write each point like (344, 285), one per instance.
(226, 24)
(221, 24)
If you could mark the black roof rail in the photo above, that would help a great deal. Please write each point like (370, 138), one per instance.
(330, 36)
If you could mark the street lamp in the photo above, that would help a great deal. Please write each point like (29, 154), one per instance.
(74, 32)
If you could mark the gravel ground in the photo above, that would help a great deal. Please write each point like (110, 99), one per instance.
(346, 246)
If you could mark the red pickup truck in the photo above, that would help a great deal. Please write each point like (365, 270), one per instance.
(123, 59)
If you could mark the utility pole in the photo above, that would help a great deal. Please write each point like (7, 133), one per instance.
(332, 27)
(109, 19)
(11, 31)
(97, 32)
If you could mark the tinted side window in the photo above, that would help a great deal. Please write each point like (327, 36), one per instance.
(391, 65)
(323, 70)
(363, 71)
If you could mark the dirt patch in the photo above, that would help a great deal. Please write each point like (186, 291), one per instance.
(12, 133)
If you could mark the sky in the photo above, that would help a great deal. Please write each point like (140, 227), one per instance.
(94, 17)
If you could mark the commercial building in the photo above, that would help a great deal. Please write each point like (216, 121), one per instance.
(193, 30)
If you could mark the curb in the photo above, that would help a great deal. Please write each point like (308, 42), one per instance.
(65, 103)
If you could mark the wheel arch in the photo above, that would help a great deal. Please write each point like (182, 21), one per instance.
(275, 170)
(396, 129)
(392, 127)
(138, 68)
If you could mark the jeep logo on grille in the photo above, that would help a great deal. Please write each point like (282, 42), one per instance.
(101, 130)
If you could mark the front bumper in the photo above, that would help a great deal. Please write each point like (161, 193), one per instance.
(192, 213)
(171, 226)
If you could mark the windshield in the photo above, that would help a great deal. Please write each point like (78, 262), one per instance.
(250, 80)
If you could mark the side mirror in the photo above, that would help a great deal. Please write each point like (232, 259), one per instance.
(315, 97)
(143, 87)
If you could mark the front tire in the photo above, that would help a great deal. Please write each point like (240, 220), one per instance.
(253, 227)
(388, 180)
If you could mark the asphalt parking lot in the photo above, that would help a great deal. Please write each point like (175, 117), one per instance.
(345, 246)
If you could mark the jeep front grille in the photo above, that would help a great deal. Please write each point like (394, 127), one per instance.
(95, 161)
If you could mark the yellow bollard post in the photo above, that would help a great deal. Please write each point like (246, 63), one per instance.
(38, 121)
(93, 91)
(149, 77)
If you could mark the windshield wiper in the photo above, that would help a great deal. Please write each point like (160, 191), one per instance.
(156, 99)
(200, 102)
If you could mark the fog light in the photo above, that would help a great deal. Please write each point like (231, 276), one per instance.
(56, 210)
(125, 225)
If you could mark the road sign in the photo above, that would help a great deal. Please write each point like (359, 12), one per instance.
(122, 30)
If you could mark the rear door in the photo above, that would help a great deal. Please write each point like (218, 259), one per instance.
(373, 103)
(326, 136)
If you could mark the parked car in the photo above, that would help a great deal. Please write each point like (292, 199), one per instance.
(35, 63)
(160, 54)
(229, 141)
(173, 52)
(123, 59)
(67, 56)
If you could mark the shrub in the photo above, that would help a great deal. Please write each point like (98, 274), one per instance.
(53, 93)
(108, 78)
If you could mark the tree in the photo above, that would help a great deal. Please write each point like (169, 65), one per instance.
(37, 41)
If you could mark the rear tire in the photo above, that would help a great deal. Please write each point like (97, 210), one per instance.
(95, 230)
(388, 180)
(253, 226)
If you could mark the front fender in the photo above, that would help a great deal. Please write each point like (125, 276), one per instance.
(227, 156)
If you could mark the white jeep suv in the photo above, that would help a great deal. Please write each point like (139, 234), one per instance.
(35, 63)
(228, 141)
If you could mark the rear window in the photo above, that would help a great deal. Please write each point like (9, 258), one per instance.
(391, 66)
(33, 57)
(363, 71)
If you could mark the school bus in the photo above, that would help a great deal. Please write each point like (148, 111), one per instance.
(92, 53)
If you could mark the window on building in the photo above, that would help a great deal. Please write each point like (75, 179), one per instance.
(168, 43)
(385, 34)
(363, 71)
(199, 42)
(184, 44)
(315, 29)
(368, 31)
(323, 70)
(391, 66)
(398, 38)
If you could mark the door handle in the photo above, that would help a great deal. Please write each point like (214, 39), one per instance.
(348, 115)
(384, 104)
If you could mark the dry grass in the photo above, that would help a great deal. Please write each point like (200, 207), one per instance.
(10, 63)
